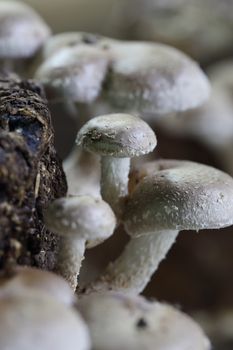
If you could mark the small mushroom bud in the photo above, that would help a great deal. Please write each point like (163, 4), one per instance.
(78, 219)
(169, 196)
(28, 278)
(37, 321)
(117, 138)
(125, 322)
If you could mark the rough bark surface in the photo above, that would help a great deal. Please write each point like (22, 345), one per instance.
(31, 174)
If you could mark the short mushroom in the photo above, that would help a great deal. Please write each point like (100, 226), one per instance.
(117, 138)
(125, 322)
(22, 31)
(169, 196)
(37, 321)
(78, 219)
(28, 278)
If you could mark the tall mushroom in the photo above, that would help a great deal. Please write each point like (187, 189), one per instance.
(169, 196)
(77, 220)
(125, 322)
(117, 138)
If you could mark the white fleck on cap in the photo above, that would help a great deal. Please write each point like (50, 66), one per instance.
(179, 195)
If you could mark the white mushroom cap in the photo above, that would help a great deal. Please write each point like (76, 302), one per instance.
(83, 217)
(22, 30)
(76, 73)
(36, 321)
(117, 135)
(146, 77)
(179, 195)
(28, 278)
(120, 322)
(154, 78)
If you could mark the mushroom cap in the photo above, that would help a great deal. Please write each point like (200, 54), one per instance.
(117, 135)
(154, 78)
(28, 278)
(36, 321)
(76, 73)
(71, 40)
(85, 217)
(145, 77)
(22, 30)
(122, 322)
(178, 195)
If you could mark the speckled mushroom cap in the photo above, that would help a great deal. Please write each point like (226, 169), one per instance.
(22, 30)
(76, 73)
(85, 217)
(36, 321)
(154, 78)
(28, 278)
(120, 322)
(117, 135)
(179, 195)
(145, 77)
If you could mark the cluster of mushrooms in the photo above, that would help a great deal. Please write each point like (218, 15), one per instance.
(114, 89)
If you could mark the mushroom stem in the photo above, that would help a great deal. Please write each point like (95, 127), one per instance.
(69, 260)
(114, 181)
(82, 172)
(132, 271)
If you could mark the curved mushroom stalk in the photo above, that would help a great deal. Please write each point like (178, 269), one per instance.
(114, 181)
(133, 269)
(82, 171)
(80, 220)
(169, 196)
(117, 138)
(124, 322)
(69, 259)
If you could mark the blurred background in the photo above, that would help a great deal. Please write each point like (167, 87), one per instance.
(197, 274)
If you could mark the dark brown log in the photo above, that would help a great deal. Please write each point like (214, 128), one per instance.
(31, 174)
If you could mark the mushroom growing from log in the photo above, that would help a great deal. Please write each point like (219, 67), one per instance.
(78, 219)
(169, 196)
